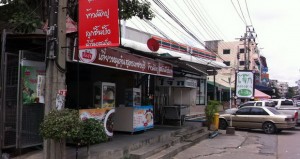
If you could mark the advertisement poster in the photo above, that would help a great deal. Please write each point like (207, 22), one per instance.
(40, 89)
(244, 84)
(98, 23)
(142, 118)
(104, 115)
(30, 70)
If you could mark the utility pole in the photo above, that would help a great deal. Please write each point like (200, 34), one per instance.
(248, 38)
(55, 69)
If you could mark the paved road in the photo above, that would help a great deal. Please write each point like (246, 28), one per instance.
(289, 144)
(246, 144)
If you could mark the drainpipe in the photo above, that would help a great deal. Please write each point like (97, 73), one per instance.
(215, 93)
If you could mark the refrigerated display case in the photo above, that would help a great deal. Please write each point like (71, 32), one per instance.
(104, 95)
(133, 119)
(133, 97)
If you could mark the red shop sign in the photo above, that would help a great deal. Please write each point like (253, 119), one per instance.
(108, 57)
(98, 23)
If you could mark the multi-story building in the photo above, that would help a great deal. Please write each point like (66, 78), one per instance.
(283, 88)
(236, 57)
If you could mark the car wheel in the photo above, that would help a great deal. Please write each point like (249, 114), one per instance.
(222, 124)
(269, 128)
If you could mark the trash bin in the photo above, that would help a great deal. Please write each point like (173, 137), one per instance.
(216, 120)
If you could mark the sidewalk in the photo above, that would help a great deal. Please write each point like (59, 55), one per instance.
(215, 147)
(121, 143)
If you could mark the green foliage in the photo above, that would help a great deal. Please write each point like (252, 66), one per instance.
(25, 23)
(61, 124)
(27, 15)
(92, 131)
(210, 110)
(132, 8)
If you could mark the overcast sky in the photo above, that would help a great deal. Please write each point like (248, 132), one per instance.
(276, 22)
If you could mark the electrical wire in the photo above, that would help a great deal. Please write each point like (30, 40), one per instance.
(238, 13)
(169, 13)
(248, 12)
(241, 11)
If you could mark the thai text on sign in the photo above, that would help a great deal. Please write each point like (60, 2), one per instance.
(98, 23)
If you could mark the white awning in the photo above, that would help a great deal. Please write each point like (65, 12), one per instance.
(189, 58)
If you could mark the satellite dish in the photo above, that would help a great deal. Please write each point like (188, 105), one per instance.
(153, 44)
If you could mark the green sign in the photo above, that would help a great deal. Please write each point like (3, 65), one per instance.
(244, 84)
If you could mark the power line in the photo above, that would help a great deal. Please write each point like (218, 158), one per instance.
(238, 13)
(172, 16)
(248, 12)
(241, 11)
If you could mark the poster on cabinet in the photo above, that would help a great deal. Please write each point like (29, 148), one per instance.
(142, 118)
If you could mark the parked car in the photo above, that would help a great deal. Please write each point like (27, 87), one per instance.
(252, 117)
(263, 103)
(287, 106)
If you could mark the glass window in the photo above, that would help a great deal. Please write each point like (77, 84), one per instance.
(258, 111)
(226, 51)
(274, 111)
(243, 111)
(247, 104)
(227, 63)
(242, 63)
(287, 102)
(258, 103)
(242, 50)
(270, 104)
(200, 96)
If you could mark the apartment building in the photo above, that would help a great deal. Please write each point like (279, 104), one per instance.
(236, 57)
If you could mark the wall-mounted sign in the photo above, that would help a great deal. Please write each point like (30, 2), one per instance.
(125, 61)
(244, 84)
(178, 82)
(98, 23)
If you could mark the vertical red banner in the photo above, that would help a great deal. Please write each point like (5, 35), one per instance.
(98, 23)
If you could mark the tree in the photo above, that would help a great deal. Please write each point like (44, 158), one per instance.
(290, 93)
(25, 16)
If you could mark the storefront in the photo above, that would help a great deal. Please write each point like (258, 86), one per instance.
(103, 83)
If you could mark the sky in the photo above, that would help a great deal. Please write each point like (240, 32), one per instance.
(276, 23)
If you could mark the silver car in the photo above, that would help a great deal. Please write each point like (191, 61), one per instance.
(252, 117)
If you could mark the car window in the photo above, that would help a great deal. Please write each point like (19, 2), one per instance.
(270, 104)
(247, 104)
(258, 103)
(243, 111)
(274, 111)
(287, 102)
(275, 102)
(258, 111)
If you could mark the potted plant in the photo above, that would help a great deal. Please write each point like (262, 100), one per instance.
(59, 125)
(210, 110)
(91, 132)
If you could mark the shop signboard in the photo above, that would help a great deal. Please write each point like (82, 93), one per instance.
(108, 57)
(104, 115)
(244, 84)
(31, 81)
(142, 117)
(178, 82)
(98, 23)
